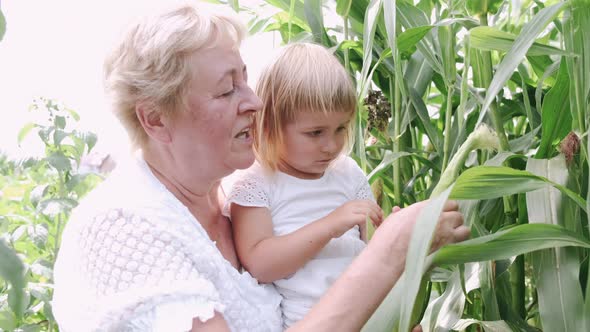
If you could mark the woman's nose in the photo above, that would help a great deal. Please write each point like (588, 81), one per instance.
(251, 102)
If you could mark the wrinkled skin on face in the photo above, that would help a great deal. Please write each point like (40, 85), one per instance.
(212, 136)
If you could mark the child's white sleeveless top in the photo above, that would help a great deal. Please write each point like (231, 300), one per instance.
(293, 203)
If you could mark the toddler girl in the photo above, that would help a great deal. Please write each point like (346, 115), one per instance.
(299, 213)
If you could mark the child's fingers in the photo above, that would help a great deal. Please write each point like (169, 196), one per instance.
(376, 217)
(376, 209)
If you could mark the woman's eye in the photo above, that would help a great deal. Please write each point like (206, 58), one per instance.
(228, 93)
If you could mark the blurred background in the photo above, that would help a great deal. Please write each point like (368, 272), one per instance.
(55, 49)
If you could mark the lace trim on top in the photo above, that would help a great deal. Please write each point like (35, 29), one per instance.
(363, 190)
(248, 191)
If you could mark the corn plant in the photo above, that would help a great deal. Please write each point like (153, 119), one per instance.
(485, 102)
(37, 197)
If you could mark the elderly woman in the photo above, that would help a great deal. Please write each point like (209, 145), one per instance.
(149, 250)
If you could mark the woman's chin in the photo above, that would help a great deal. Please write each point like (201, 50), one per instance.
(242, 161)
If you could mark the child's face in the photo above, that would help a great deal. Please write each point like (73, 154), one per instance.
(312, 141)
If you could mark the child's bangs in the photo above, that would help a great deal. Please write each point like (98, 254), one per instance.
(309, 78)
(324, 94)
(324, 91)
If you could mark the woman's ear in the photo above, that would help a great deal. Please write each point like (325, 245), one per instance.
(152, 122)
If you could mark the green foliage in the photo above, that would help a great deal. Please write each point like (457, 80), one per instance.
(36, 200)
(478, 7)
(2, 25)
(445, 67)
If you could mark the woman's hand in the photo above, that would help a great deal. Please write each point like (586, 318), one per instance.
(450, 228)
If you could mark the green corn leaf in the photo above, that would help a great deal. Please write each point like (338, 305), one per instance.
(489, 296)
(422, 111)
(556, 115)
(525, 142)
(446, 40)
(547, 78)
(412, 17)
(489, 326)
(386, 317)
(446, 310)
(257, 25)
(297, 14)
(391, 25)
(577, 33)
(387, 160)
(517, 52)
(235, 5)
(487, 182)
(291, 18)
(371, 16)
(314, 16)
(418, 73)
(508, 243)
(394, 313)
(418, 250)
(483, 7)
(343, 7)
(407, 40)
(556, 271)
(491, 39)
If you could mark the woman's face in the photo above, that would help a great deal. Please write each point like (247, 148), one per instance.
(212, 137)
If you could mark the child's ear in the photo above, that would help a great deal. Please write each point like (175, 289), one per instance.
(152, 122)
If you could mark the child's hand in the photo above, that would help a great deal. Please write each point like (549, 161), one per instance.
(354, 213)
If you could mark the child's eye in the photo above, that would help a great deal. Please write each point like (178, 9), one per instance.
(314, 133)
(341, 129)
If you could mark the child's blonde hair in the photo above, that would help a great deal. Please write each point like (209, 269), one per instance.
(303, 77)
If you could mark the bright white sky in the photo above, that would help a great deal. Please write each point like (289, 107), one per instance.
(55, 49)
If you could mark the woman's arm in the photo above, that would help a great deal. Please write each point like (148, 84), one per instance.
(352, 299)
(268, 257)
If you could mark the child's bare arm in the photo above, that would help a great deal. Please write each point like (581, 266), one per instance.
(268, 257)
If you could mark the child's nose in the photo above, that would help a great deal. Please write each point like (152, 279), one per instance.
(330, 145)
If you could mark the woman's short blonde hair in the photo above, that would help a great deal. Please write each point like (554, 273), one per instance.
(151, 64)
(304, 77)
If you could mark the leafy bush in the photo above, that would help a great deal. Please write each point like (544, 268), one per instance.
(37, 197)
